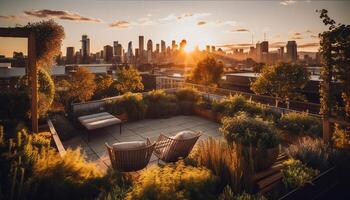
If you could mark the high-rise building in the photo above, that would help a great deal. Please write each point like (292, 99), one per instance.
(70, 55)
(280, 52)
(157, 48)
(108, 53)
(183, 45)
(141, 46)
(213, 49)
(85, 49)
(262, 51)
(292, 53)
(118, 52)
(129, 53)
(162, 46)
(173, 45)
(149, 50)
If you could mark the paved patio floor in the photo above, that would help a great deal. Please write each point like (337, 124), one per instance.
(95, 149)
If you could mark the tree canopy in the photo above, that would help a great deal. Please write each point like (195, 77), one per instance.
(282, 81)
(79, 88)
(207, 72)
(128, 80)
(335, 54)
(48, 40)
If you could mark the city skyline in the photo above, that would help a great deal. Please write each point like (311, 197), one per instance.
(238, 24)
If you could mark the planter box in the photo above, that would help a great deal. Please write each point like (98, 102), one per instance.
(205, 113)
(320, 184)
(123, 117)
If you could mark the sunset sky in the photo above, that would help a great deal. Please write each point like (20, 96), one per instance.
(199, 22)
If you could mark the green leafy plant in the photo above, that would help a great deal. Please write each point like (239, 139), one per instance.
(160, 104)
(300, 123)
(187, 94)
(296, 174)
(174, 181)
(340, 137)
(314, 153)
(249, 131)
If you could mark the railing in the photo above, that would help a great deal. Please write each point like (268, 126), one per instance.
(269, 101)
(56, 139)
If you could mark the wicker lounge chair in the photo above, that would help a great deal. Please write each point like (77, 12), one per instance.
(133, 159)
(169, 149)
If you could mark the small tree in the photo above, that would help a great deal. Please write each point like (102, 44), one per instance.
(207, 72)
(281, 81)
(103, 86)
(128, 80)
(79, 88)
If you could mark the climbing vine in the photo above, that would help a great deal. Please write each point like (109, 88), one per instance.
(335, 53)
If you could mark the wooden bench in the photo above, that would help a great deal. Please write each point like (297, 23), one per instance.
(99, 120)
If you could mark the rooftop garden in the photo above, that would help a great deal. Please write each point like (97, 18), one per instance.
(264, 153)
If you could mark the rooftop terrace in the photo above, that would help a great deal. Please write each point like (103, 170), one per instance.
(95, 149)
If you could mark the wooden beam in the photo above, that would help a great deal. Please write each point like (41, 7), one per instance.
(33, 72)
(14, 32)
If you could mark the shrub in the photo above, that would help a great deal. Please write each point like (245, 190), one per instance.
(314, 153)
(159, 104)
(14, 105)
(174, 181)
(340, 137)
(187, 94)
(249, 131)
(204, 103)
(229, 195)
(231, 105)
(134, 105)
(31, 169)
(222, 159)
(300, 123)
(130, 103)
(296, 174)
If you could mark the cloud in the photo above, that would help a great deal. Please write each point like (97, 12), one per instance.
(314, 36)
(120, 24)
(309, 31)
(60, 14)
(9, 17)
(297, 37)
(288, 2)
(144, 21)
(172, 17)
(234, 46)
(308, 45)
(228, 22)
(297, 34)
(240, 30)
(201, 23)
(277, 44)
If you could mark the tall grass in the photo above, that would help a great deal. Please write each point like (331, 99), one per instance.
(223, 159)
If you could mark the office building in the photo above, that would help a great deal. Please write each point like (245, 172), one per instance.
(141, 47)
(149, 51)
(162, 46)
(292, 54)
(70, 55)
(108, 53)
(85, 49)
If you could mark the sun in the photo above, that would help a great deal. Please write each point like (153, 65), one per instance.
(189, 48)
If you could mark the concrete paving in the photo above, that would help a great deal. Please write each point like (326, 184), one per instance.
(95, 149)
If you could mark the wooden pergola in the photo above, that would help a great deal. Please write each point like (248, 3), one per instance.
(32, 67)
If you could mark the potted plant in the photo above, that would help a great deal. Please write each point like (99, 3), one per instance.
(115, 108)
(295, 126)
(258, 140)
(203, 108)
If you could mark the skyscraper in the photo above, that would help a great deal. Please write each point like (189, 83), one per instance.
(129, 53)
(292, 53)
(173, 45)
(108, 53)
(141, 46)
(157, 48)
(182, 44)
(149, 50)
(118, 52)
(262, 51)
(85, 48)
(162, 46)
(280, 52)
(70, 55)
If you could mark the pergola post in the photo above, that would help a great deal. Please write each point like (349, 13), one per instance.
(32, 67)
(33, 74)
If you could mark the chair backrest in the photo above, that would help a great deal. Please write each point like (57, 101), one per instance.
(170, 150)
(131, 159)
